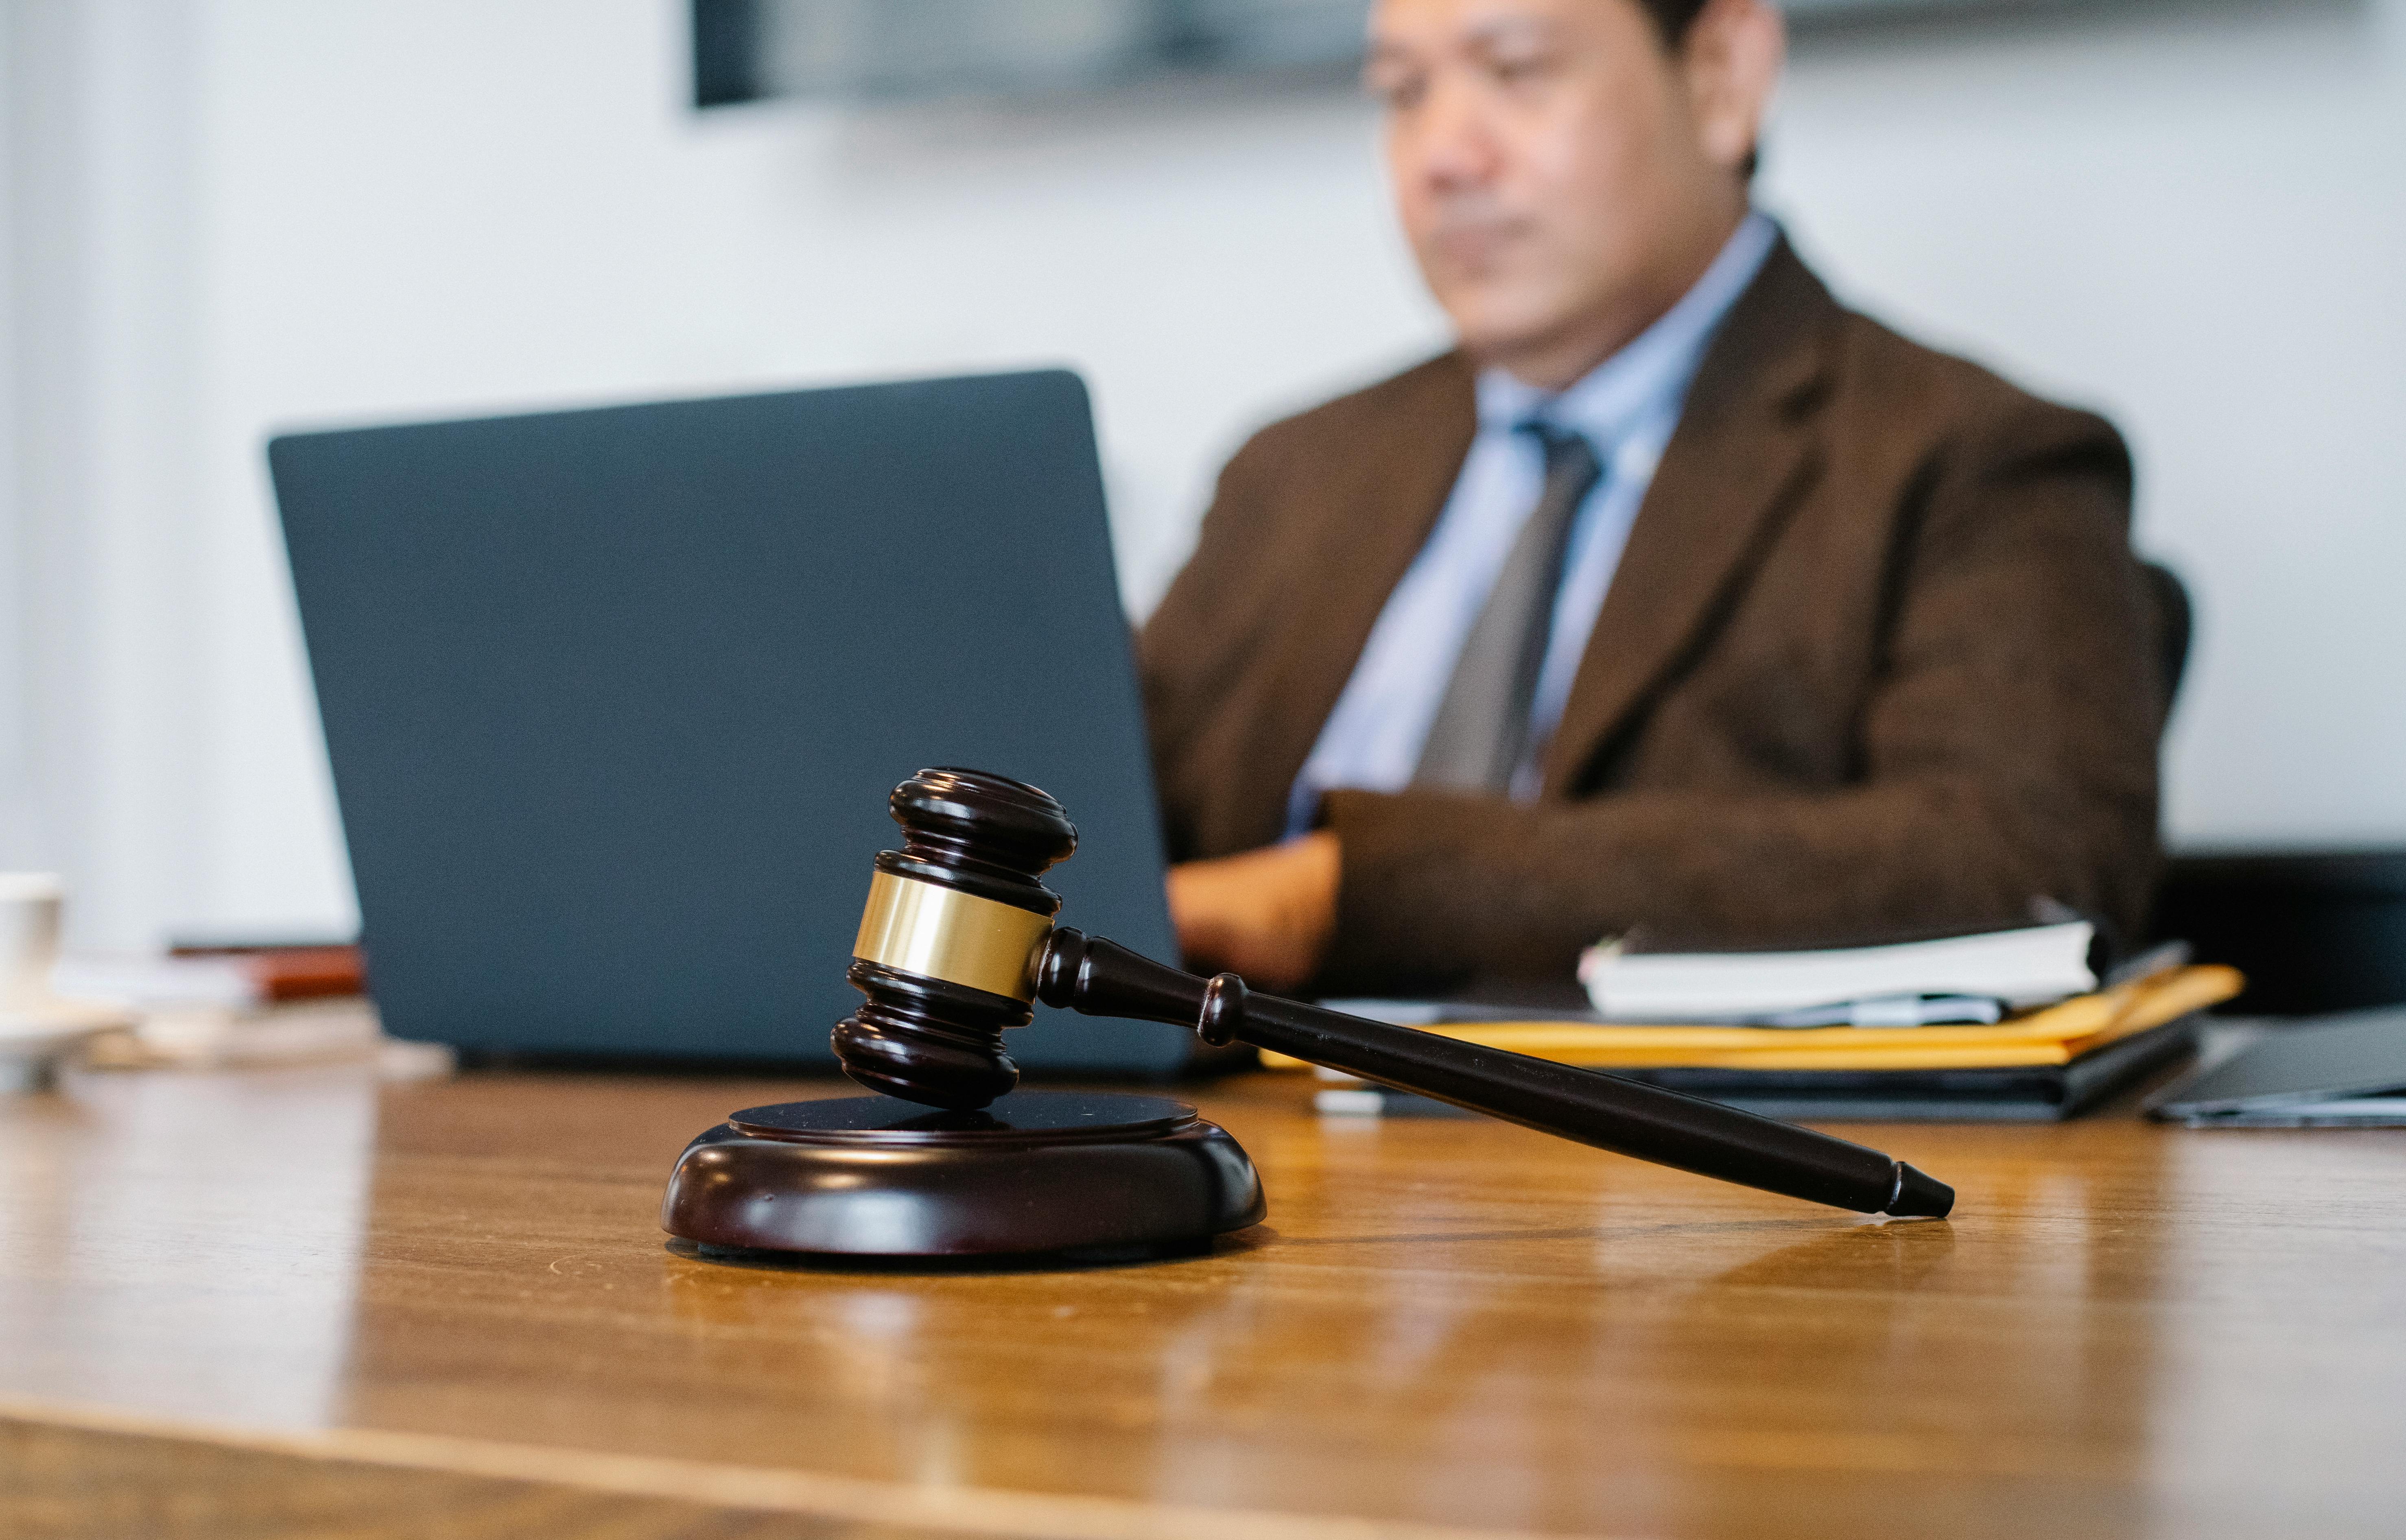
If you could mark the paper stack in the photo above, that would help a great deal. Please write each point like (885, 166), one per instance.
(213, 1009)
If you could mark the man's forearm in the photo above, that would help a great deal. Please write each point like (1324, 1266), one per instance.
(1439, 887)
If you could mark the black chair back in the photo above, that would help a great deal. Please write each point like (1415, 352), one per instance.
(2175, 619)
(2312, 930)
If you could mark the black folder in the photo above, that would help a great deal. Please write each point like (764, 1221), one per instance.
(2009, 1093)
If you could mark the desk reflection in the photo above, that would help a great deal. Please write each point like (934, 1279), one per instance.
(210, 1222)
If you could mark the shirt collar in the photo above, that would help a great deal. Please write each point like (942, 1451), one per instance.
(1653, 370)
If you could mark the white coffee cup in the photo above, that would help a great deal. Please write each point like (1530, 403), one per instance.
(30, 902)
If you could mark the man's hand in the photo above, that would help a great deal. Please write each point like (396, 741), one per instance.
(1267, 913)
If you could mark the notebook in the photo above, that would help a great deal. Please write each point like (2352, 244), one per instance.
(1971, 978)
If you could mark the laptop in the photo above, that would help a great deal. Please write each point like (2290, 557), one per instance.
(614, 700)
(2344, 1070)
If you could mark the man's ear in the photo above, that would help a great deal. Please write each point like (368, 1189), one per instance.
(1732, 56)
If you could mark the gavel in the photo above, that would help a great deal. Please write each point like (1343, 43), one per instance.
(959, 940)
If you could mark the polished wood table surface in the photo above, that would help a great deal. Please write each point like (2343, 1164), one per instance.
(294, 1302)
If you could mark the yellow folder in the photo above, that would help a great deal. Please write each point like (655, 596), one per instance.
(2057, 1034)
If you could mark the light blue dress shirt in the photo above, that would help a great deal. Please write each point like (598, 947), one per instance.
(1627, 407)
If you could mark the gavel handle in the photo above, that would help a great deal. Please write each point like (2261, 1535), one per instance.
(1099, 978)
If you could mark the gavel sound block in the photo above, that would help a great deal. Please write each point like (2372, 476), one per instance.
(952, 1161)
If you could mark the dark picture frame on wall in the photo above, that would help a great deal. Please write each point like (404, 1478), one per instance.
(749, 50)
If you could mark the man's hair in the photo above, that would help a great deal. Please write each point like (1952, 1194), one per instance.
(1672, 18)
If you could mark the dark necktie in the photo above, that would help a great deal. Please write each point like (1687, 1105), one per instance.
(1481, 730)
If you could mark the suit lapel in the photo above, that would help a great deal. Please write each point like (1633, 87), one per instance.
(1385, 517)
(1745, 450)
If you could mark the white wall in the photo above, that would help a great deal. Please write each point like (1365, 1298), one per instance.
(229, 214)
(111, 657)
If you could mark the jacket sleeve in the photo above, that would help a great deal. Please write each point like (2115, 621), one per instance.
(2006, 744)
(1191, 647)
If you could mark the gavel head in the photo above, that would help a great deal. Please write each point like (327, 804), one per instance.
(955, 921)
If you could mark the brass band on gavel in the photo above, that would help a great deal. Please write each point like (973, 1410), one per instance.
(943, 933)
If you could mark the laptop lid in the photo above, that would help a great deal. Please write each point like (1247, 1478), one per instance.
(614, 700)
(2348, 1067)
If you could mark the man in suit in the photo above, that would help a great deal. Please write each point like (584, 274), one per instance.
(1675, 596)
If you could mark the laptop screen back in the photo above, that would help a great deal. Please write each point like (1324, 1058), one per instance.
(614, 700)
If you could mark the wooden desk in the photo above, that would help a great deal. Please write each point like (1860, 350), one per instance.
(291, 1302)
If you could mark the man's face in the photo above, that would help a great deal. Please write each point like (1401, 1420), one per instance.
(1552, 167)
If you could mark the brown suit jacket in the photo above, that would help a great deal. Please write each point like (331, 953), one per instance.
(1876, 658)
